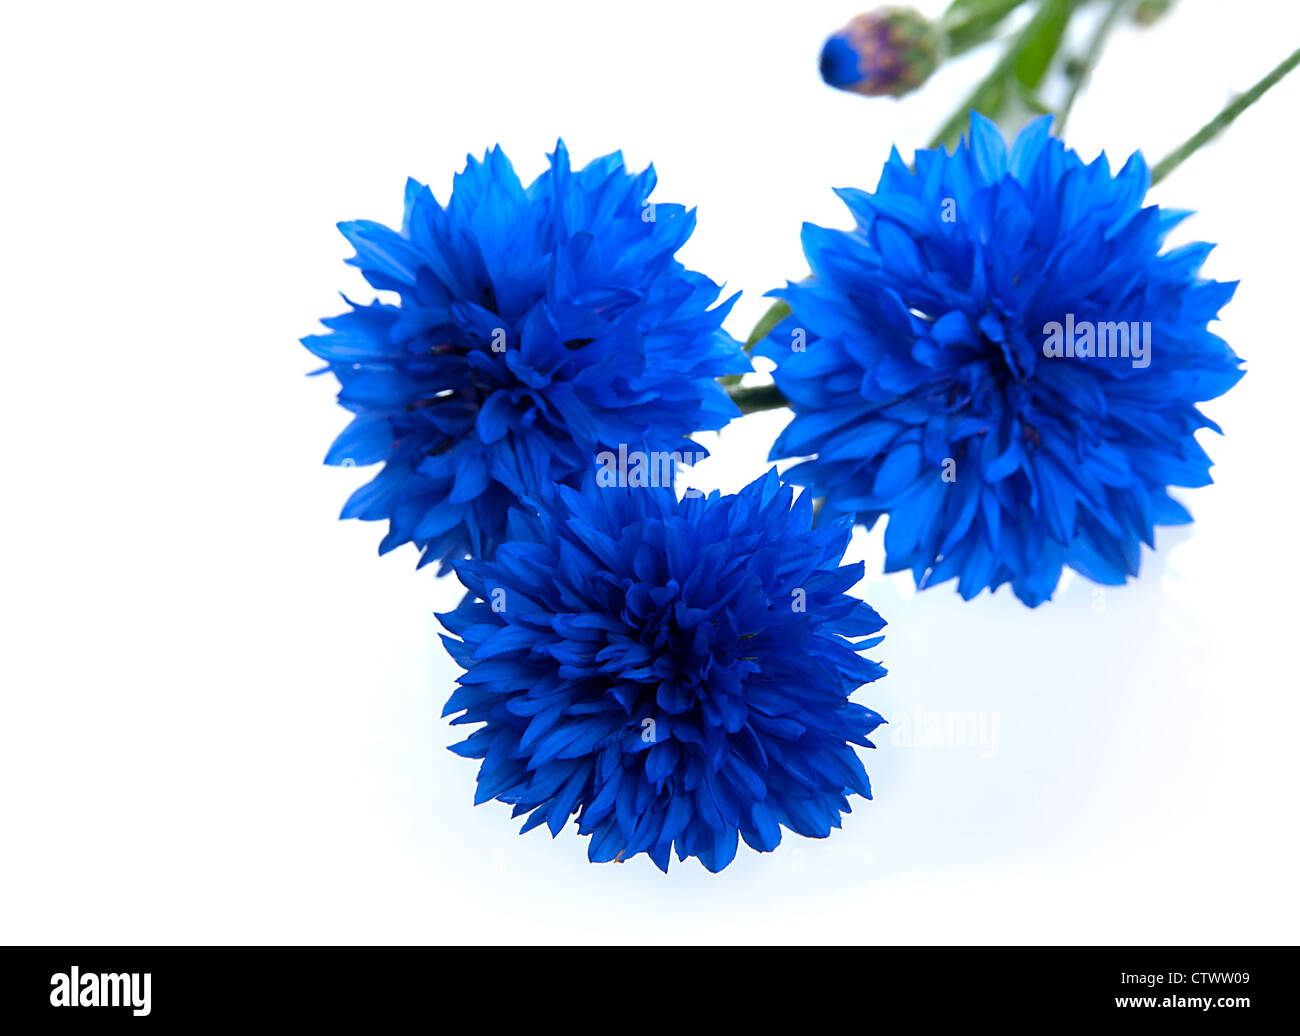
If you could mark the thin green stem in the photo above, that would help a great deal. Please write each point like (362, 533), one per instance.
(761, 397)
(1223, 120)
(981, 99)
(1089, 61)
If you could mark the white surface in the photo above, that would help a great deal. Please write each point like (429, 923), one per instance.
(220, 711)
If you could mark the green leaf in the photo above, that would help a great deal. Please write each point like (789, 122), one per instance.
(968, 23)
(779, 311)
(1025, 62)
(1040, 41)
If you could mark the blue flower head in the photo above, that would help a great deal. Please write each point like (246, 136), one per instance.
(1003, 358)
(675, 672)
(533, 326)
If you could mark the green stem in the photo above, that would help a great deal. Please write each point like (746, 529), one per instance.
(985, 99)
(1090, 58)
(761, 397)
(1223, 120)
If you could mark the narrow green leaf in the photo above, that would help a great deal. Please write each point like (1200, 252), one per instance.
(779, 311)
(1041, 40)
(775, 314)
(968, 23)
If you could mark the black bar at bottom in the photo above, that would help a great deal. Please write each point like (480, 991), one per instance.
(98, 987)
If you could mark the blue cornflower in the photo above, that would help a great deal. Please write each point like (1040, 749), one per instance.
(534, 326)
(673, 671)
(1004, 359)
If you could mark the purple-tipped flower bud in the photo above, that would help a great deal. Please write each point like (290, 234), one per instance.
(887, 52)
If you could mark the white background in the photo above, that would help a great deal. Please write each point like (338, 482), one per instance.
(220, 711)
